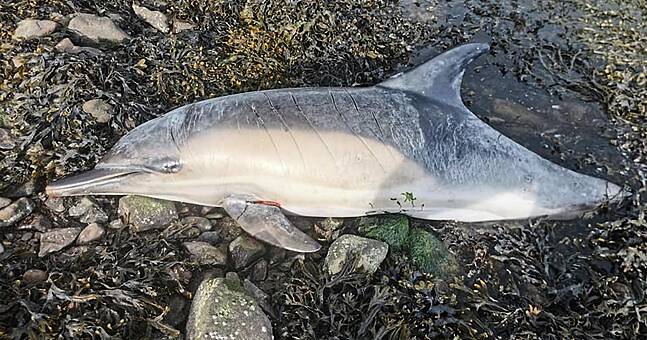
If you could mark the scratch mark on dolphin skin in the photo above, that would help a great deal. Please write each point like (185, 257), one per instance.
(334, 104)
(294, 139)
(294, 99)
(276, 147)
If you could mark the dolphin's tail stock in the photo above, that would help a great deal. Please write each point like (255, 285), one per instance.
(440, 76)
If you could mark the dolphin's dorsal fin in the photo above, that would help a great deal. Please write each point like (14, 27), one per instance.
(439, 77)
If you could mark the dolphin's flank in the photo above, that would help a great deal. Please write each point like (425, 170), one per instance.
(407, 145)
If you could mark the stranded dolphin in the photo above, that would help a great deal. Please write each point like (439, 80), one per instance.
(407, 145)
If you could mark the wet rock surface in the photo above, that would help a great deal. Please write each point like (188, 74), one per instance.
(222, 309)
(57, 239)
(91, 233)
(368, 253)
(205, 253)
(31, 28)
(88, 211)
(144, 213)
(16, 211)
(244, 250)
(155, 18)
(96, 29)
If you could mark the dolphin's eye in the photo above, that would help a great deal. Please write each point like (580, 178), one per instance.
(164, 165)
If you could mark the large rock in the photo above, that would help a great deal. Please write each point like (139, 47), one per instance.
(99, 109)
(88, 211)
(16, 211)
(206, 254)
(154, 18)
(222, 309)
(145, 213)
(244, 250)
(96, 29)
(370, 253)
(31, 28)
(57, 239)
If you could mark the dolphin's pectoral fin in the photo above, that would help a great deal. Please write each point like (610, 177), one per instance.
(267, 223)
(439, 77)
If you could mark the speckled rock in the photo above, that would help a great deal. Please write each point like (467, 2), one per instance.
(222, 309)
(4, 202)
(55, 204)
(180, 26)
(370, 253)
(99, 109)
(116, 224)
(7, 140)
(16, 211)
(96, 29)
(57, 239)
(34, 276)
(244, 250)
(154, 18)
(31, 28)
(88, 211)
(145, 213)
(91, 233)
(203, 224)
(66, 45)
(206, 254)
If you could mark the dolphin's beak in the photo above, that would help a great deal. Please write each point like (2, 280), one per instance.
(96, 181)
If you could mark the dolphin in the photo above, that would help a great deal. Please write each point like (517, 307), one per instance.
(407, 145)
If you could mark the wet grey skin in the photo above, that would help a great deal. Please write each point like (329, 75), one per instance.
(407, 145)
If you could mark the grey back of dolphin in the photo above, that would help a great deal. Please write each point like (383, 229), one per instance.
(407, 145)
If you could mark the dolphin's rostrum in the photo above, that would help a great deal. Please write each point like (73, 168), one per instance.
(407, 145)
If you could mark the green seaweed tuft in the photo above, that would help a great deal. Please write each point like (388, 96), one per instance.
(392, 229)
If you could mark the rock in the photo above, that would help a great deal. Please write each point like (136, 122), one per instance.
(90, 233)
(222, 309)
(259, 271)
(96, 29)
(4, 202)
(16, 211)
(26, 236)
(262, 299)
(201, 223)
(392, 229)
(37, 222)
(57, 239)
(329, 228)
(228, 228)
(1, 248)
(154, 18)
(116, 224)
(55, 204)
(370, 253)
(211, 237)
(34, 276)
(99, 109)
(206, 254)
(145, 213)
(21, 190)
(244, 250)
(31, 28)
(430, 254)
(67, 46)
(179, 26)
(88, 211)
(7, 140)
(178, 308)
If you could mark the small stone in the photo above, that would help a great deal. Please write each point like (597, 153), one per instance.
(16, 211)
(99, 109)
(179, 26)
(116, 224)
(244, 250)
(26, 236)
(201, 223)
(31, 28)
(67, 46)
(96, 29)
(206, 254)
(370, 253)
(329, 228)
(90, 233)
(259, 271)
(4, 202)
(7, 140)
(222, 309)
(228, 228)
(38, 222)
(57, 239)
(34, 276)
(88, 211)
(1, 248)
(211, 237)
(154, 18)
(55, 204)
(145, 213)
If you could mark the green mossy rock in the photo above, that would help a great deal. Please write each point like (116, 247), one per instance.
(392, 229)
(430, 254)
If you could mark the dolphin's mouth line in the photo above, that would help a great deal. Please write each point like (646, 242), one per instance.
(83, 183)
